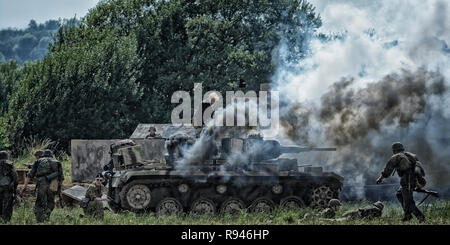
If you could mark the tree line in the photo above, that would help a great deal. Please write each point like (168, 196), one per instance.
(119, 65)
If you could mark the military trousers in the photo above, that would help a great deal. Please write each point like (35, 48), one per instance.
(45, 201)
(95, 209)
(406, 199)
(6, 203)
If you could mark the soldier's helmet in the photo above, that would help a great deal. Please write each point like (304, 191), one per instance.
(48, 153)
(379, 205)
(334, 203)
(152, 128)
(4, 155)
(39, 153)
(397, 146)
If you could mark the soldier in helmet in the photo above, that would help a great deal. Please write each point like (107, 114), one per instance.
(152, 133)
(8, 186)
(333, 206)
(328, 213)
(405, 166)
(369, 212)
(37, 154)
(48, 173)
(93, 196)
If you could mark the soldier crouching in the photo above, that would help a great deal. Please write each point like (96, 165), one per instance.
(93, 197)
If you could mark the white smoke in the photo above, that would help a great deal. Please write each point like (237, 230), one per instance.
(380, 42)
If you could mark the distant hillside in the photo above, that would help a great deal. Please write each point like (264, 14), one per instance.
(27, 44)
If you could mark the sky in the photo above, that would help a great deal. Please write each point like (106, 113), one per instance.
(18, 13)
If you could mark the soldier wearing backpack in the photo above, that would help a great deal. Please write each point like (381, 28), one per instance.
(8, 185)
(405, 165)
(48, 174)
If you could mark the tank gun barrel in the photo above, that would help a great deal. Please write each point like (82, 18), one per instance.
(297, 149)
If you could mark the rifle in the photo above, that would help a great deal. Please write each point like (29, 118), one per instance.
(59, 196)
(429, 193)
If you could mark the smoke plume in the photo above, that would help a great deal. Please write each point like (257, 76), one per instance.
(383, 78)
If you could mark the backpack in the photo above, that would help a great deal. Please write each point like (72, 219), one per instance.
(45, 167)
(418, 170)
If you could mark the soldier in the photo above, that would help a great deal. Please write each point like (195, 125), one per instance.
(49, 176)
(369, 212)
(38, 154)
(333, 206)
(94, 207)
(328, 213)
(408, 181)
(152, 133)
(8, 186)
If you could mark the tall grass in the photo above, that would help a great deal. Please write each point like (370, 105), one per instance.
(437, 213)
(34, 144)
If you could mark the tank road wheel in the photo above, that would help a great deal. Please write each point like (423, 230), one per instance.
(169, 206)
(262, 205)
(292, 202)
(136, 197)
(232, 206)
(203, 206)
(321, 196)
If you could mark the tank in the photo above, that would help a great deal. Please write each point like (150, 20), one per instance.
(228, 174)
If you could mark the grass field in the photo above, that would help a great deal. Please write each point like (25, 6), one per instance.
(437, 213)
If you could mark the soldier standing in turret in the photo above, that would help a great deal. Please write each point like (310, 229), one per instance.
(406, 171)
(8, 185)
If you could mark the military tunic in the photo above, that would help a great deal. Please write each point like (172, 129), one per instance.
(45, 198)
(94, 207)
(328, 213)
(368, 212)
(8, 185)
(405, 171)
(155, 136)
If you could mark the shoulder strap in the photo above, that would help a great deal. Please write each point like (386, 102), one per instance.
(411, 159)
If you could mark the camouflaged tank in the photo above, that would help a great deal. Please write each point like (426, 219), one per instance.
(238, 174)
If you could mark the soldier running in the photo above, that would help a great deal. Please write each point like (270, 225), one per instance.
(8, 185)
(406, 171)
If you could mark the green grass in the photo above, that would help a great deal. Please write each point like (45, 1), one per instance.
(437, 213)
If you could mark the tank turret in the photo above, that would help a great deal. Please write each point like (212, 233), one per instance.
(259, 149)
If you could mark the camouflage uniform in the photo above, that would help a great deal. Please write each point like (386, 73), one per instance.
(45, 198)
(8, 185)
(94, 207)
(406, 172)
(369, 212)
(327, 213)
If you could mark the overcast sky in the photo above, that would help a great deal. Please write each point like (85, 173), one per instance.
(18, 13)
